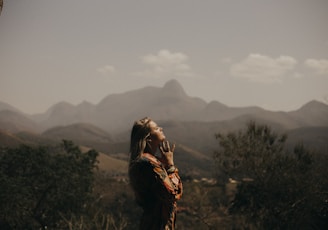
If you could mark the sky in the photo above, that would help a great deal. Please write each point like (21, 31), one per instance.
(267, 53)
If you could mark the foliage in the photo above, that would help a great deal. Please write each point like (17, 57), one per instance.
(59, 188)
(275, 187)
(116, 199)
(41, 186)
(202, 207)
(249, 153)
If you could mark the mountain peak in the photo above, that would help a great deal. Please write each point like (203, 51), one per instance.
(314, 105)
(173, 87)
(63, 105)
(6, 106)
(85, 104)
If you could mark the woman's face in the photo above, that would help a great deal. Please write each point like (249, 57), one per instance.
(156, 133)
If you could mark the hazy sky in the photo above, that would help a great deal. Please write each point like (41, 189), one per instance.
(269, 53)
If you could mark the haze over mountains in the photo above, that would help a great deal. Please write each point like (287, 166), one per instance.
(190, 122)
(117, 111)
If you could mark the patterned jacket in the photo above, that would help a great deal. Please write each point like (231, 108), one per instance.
(156, 190)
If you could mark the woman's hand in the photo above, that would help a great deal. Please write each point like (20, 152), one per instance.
(167, 153)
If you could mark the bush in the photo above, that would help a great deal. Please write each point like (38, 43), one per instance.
(42, 185)
(276, 189)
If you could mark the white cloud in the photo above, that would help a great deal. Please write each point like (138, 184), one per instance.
(106, 70)
(264, 69)
(166, 63)
(319, 66)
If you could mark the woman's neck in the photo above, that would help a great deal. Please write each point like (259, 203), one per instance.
(153, 149)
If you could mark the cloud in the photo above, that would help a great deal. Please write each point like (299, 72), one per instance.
(319, 66)
(166, 63)
(106, 70)
(264, 69)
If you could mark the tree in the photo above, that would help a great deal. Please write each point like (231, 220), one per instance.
(42, 185)
(275, 187)
(1, 6)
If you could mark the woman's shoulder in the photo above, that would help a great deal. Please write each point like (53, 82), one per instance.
(147, 157)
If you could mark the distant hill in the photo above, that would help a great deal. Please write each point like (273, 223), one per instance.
(116, 112)
(13, 121)
(200, 136)
(6, 106)
(195, 142)
(315, 138)
(9, 140)
(313, 113)
(78, 132)
(108, 164)
(188, 121)
(64, 113)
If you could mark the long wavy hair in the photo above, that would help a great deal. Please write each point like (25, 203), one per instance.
(138, 145)
(139, 134)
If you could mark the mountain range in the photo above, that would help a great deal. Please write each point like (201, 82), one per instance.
(117, 111)
(191, 122)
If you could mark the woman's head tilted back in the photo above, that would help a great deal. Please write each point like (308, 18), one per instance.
(139, 134)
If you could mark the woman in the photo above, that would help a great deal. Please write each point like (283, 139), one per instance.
(154, 179)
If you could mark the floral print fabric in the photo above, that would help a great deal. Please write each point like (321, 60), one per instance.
(156, 191)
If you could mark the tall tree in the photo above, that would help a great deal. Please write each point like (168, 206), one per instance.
(275, 187)
(1, 6)
(42, 185)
